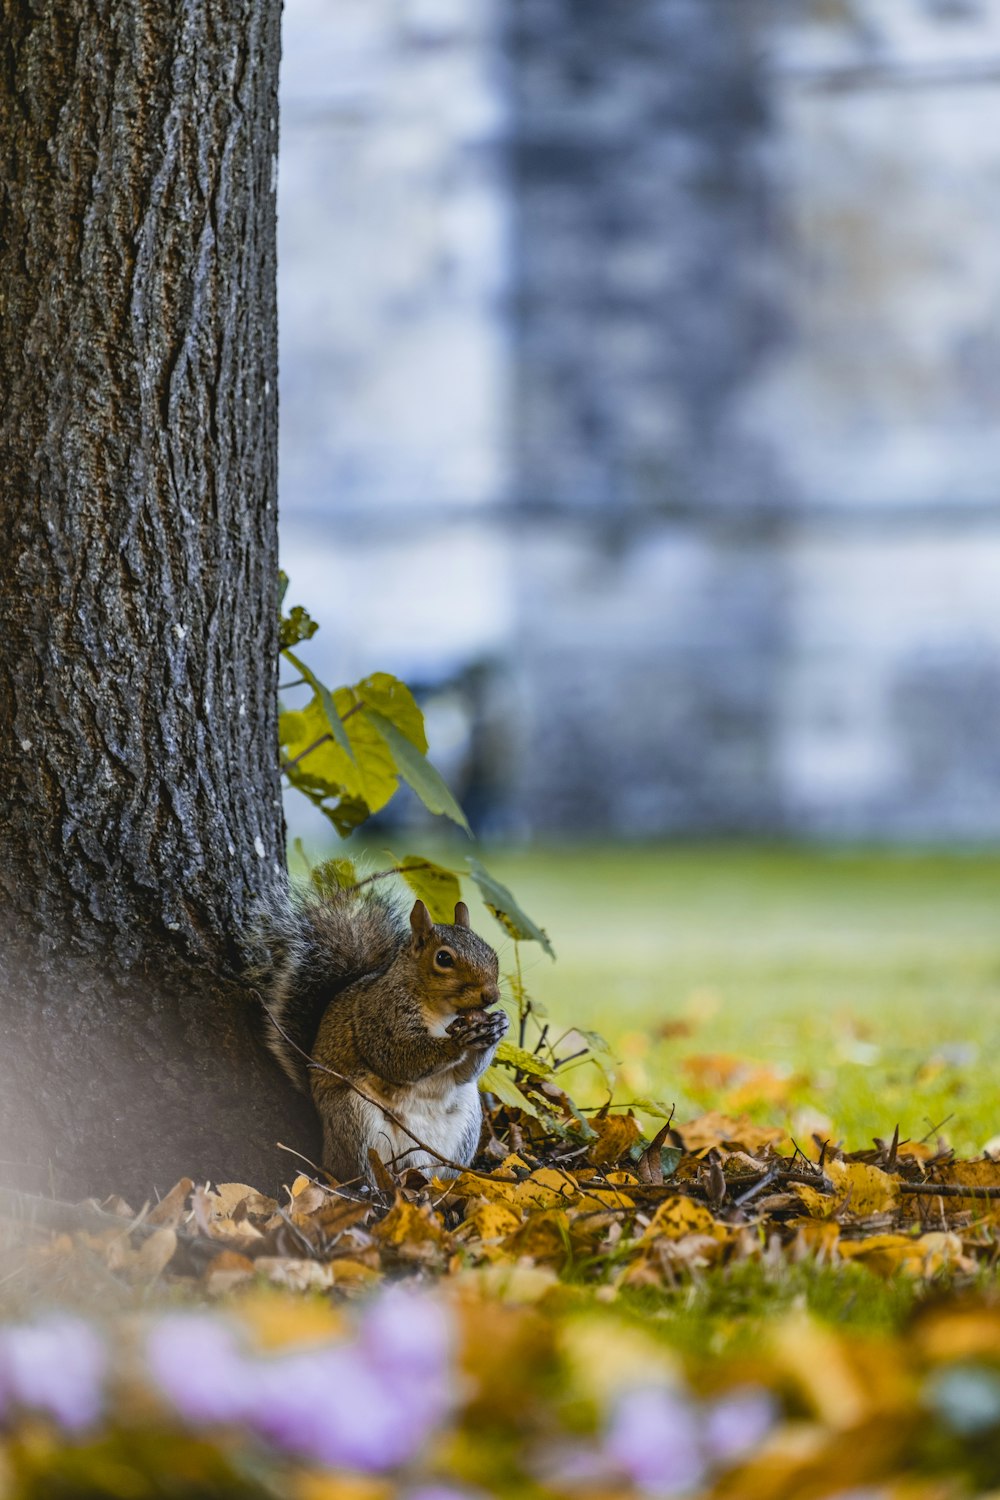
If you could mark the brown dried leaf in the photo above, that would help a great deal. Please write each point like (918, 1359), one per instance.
(171, 1209)
(718, 1130)
(616, 1135)
(154, 1254)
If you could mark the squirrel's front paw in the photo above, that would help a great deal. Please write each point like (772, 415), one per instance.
(479, 1028)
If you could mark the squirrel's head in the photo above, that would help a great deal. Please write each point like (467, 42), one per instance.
(457, 970)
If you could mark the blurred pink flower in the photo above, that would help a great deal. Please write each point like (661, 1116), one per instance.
(56, 1367)
(653, 1437)
(197, 1362)
(369, 1405)
(737, 1423)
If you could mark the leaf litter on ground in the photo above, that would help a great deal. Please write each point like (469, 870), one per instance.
(538, 1253)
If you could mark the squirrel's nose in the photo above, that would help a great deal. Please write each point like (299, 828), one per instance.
(491, 994)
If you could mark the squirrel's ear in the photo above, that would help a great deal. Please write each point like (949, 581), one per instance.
(420, 921)
(462, 918)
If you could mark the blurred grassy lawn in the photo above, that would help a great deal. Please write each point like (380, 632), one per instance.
(875, 977)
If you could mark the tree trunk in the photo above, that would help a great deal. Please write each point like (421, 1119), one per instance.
(141, 800)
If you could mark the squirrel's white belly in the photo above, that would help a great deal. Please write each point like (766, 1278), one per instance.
(442, 1116)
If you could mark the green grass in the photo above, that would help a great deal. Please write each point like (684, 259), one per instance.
(874, 976)
(724, 1312)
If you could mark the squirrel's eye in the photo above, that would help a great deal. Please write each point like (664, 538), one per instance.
(444, 959)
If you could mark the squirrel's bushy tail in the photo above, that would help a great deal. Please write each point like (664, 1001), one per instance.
(311, 948)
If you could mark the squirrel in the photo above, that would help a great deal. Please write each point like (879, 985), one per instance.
(394, 1016)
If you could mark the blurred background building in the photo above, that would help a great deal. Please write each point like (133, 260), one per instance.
(641, 400)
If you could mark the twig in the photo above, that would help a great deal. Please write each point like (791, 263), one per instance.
(935, 1128)
(758, 1187)
(560, 1062)
(290, 765)
(335, 1189)
(947, 1190)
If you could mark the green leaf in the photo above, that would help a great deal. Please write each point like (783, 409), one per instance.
(650, 1107)
(669, 1156)
(599, 1049)
(367, 775)
(520, 1057)
(282, 586)
(394, 701)
(495, 1081)
(334, 726)
(333, 875)
(292, 727)
(506, 910)
(346, 815)
(435, 885)
(296, 626)
(416, 769)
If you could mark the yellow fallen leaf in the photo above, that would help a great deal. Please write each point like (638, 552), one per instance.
(616, 1135)
(863, 1190)
(352, 1275)
(500, 1187)
(543, 1238)
(407, 1225)
(490, 1222)
(974, 1174)
(546, 1187)
(679, 1216)
(886, 1254)
(892, 1254)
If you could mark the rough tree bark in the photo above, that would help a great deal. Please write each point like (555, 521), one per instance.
(140, 790)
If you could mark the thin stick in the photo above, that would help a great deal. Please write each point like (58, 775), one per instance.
(758, 1187)
(289, 765)
(947, 1190)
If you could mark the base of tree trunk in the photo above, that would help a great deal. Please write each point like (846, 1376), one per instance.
(126, 1086)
